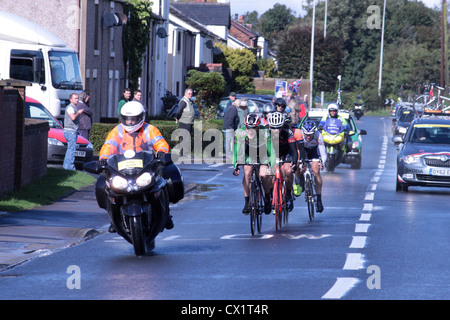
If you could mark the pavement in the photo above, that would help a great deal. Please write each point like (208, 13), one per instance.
(43, 230)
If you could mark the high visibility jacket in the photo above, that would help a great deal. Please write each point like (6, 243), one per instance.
(147, 138)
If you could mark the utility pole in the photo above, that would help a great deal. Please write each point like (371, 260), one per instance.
(381, 55)
(312, 56)
(325, 22)
(444, 46)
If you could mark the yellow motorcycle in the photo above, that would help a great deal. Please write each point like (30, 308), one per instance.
(336, 148)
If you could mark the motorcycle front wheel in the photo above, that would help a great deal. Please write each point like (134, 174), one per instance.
(138, 236)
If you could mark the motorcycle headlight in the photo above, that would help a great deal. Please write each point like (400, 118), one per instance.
(356, 144)
(119, 183)
(144, 179)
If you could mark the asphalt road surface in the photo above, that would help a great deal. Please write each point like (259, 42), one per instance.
(370, 243)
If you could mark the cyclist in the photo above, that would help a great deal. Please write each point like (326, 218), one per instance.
(267, 109)
(285, 146)
(253, 145)
(315, 151)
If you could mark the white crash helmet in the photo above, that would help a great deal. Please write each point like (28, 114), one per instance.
(333, 106)
(133, 110)
(276, 119)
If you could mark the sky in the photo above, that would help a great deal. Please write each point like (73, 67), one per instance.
(242, 6)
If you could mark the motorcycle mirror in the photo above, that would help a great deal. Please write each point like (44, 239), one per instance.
(91, 167)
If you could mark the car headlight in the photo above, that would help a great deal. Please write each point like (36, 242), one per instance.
(55, 142)
(119, 183)
(90, 146)
(409, 159)
(144, 179)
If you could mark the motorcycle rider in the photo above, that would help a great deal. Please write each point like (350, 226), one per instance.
(285, 146)
(333, 122)
(252, 141)
(133, 133)
(359, 101)
(315, 151)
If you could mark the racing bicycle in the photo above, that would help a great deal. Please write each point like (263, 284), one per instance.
(279, 197)
(310, 192)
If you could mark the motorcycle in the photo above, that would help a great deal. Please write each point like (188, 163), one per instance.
(336, 147)
(135, 188)
(358, 111)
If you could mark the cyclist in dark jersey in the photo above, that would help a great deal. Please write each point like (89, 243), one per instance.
(284, 144)
(253, 145)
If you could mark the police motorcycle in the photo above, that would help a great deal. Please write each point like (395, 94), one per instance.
(135, 188)
(336, 148)
(358, 110)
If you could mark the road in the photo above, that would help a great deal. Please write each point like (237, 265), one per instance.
(370, 243)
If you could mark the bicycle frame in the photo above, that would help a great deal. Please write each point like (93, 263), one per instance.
(310, 192)
(279, 197)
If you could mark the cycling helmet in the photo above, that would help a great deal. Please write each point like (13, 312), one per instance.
(280, 102)
(252, 120)
(276, 120)
(309, 127)
(134, 111)
(268, 108)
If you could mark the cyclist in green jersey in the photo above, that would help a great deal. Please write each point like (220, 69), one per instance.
(253, 145)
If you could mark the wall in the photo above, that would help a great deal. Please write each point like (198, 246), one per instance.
(23, 144)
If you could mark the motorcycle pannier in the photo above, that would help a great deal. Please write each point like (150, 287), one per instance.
(175, 182)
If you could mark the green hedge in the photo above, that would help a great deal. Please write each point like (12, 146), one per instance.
(99, 131)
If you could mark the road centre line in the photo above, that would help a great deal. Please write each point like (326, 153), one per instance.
(365, 217)
(362, 227)
(340, 288)
(358, 242)
(354, 261)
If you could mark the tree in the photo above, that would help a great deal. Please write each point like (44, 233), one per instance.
(241, 62)
(210, 87)
(273, 21)
(293, 56)
(137, 33)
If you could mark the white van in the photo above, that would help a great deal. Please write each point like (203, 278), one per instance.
(31, 53)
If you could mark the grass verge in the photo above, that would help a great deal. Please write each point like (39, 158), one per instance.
(55, 184)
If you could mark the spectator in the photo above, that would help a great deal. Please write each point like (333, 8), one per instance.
(230, 124)
(71, 124)
(137, 95)
(86, 117)
(242, 111)
(123, 99)
(186, 112)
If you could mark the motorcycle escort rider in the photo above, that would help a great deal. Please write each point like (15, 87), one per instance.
(285, 147)
(358, 107)
(132, 133)
(253, 145)
(333, 122)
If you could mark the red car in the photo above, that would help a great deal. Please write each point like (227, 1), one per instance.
(57, 144)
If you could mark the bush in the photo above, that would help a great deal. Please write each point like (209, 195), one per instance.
(100, 131)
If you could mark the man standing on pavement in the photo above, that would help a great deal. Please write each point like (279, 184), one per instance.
(186, 112)
(230, 124)
(71, 125)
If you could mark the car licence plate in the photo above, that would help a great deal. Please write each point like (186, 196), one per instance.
(440, 172)
(80, 153)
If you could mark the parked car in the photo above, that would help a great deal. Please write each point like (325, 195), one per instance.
(424, 154)
(57, 144)
(254, 106)
(353, 156)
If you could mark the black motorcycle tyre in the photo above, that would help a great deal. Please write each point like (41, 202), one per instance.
(138, 237)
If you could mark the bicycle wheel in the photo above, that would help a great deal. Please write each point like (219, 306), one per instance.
(277, 203)
(260, 207)
(309, 197)
(285, 211)
(253, 207)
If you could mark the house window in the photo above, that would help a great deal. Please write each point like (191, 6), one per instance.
(179, 42)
